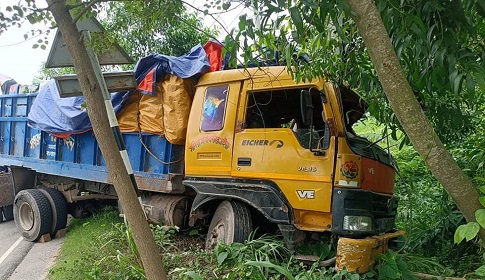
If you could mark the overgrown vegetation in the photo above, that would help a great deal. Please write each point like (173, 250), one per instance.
(101, 247)
(426, 212)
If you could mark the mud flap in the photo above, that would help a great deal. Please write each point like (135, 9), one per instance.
(359, 255)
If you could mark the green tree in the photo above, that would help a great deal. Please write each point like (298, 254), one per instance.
(144, 27)
(167, 31)
(364, 43)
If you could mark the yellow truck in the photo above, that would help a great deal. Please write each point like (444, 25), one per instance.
(259, 150)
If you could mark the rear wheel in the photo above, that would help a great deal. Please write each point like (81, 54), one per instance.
(231, 223)
(59, 209)
(33, 214)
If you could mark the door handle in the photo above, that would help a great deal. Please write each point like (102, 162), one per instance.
(244, 161)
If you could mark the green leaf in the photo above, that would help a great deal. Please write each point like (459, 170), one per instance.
(482, 200)
(267, 264)
(480, 271)
(242, 22)
(222, 257)
(387, 272)
(355, 277)
(297, 19)
(482, 189)
(480, 216)
(193, 275)
(35, 46)
(467, 232)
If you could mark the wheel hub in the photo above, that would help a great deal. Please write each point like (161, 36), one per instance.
(217, 235)
(26, 216)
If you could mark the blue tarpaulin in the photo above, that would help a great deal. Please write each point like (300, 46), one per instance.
(53, 114)
(152, 68)
(57, 115)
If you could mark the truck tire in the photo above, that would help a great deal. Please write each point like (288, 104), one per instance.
(59, 209)
(8, 212)
(32, 213)
(231, 223)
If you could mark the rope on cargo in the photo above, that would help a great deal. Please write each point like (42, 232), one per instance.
(140, 135)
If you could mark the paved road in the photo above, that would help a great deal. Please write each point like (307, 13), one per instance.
(23, 260)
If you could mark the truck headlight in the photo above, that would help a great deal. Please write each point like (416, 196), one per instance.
(357, 223)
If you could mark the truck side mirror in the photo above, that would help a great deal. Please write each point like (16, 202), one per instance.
(306, 107)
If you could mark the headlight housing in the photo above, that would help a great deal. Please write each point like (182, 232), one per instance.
(357, 223)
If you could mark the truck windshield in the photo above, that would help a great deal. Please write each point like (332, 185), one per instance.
(281, 109)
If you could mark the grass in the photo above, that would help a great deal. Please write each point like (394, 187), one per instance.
(84, 247)
(100, 247)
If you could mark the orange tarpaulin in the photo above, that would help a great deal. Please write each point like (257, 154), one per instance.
(166, 113)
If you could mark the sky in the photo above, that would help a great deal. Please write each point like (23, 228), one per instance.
(22, 62)
(17, 57)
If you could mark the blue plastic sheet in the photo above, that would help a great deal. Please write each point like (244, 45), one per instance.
(152, 68)
(53, 114)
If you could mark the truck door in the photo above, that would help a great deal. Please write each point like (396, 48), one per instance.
(210, 132)
(273, 144)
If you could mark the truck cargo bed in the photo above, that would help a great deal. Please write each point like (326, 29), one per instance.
(153, 159)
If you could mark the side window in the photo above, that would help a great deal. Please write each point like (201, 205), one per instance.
(214, 109)
(281, 109)
(273, 109)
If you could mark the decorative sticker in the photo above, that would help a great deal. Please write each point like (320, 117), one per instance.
(213, 110)
(349, 169)
(209, 139)
(35, 141)
(69, 142)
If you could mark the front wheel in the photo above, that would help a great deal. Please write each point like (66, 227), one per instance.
(231, 223)
(33, 214)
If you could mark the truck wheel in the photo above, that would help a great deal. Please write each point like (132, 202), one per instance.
(59, 209)
(8, 212)
(231, 223)
(33, 214)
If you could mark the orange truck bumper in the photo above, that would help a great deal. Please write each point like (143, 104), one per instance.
(359, 255)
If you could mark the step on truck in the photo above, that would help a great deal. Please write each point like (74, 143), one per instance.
(256, 149)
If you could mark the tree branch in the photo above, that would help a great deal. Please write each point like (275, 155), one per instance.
(85, 10)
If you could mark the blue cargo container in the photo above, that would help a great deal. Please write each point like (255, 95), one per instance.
(73, 170)
(154, 160)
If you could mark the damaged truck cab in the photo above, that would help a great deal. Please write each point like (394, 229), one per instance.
(286, 150)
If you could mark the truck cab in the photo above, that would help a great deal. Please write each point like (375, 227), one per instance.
(286, 150)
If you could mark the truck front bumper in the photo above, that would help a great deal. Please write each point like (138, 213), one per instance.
(359, 255)
(359, 213)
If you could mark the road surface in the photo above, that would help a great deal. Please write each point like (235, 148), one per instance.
(23, 260)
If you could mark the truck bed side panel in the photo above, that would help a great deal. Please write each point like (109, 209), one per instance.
(77, 156)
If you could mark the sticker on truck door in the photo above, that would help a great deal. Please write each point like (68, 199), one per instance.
(209, 139)
(349, 169)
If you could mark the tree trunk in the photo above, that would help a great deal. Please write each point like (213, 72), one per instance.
(133, 211)
(408, 111)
